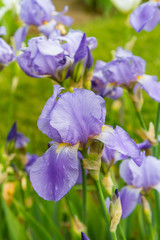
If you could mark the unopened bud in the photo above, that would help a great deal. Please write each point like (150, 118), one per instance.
(8, 191)
(115, 211)
(146, 209)
(108, 183)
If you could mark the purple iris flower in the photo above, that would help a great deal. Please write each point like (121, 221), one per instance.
(146, 16)
(58, 56)
(84, 237)
(44, 57)
(20, 141)
(72, 120)
(42, 14)
(7, 54)
(128, 70)
(101, 86)
(140, 179)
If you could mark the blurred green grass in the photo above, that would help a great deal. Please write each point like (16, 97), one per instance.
(26, 103)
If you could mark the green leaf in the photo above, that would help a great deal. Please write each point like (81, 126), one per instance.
(39, 230)
(15, 228)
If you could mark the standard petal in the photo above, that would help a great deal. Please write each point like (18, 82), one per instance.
(118, 139)
(55, 172)
(129, 199)
(78, 116)
(45, 117)
(12, 133)
(151, 86)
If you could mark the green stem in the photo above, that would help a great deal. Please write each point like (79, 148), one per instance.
(155, 154)
(141, 120)
(151, 231)
(103, 205)
(84, 193)
(121, 232)
(155, 149)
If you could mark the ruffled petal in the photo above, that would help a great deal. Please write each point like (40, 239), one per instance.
(118, 139)
(55, 172)
(151, 86)
(78, 116)
(129, 199)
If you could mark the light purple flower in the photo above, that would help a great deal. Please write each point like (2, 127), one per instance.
(101, 86)
(56, 57)
(72, 121)
(7, 54)
(128, 70)
(140, 179)
(41, 14)
(146, 16)
(44, 57)
(20, 141)
(36, 12)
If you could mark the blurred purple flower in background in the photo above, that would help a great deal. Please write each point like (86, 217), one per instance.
(41, 14)
(128, 70)
(20, 141)
(72, 121)
(146, 16)
(140, 180)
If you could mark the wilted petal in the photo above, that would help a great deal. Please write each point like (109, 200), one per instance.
(55, 172)
(20, 36)
(151, 86)
(129, 199)
(45, 117)
(118, 139)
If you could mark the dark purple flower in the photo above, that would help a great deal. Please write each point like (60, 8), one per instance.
(72, 121)
(140, 179)
(84, 237)
(101, 86)
(19, 139)
(128, 70)
(146, 16)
